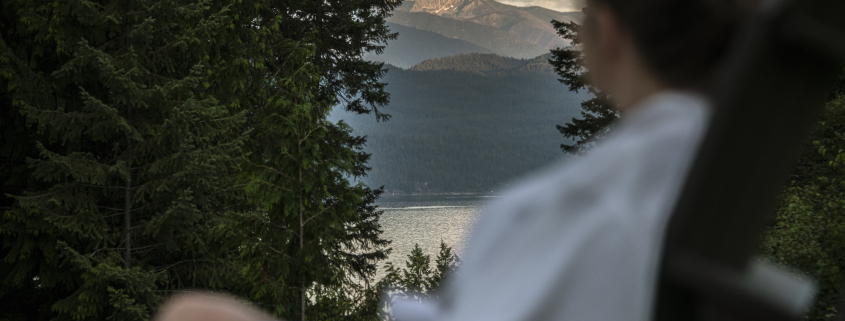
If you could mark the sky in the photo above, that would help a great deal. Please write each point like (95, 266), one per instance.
(558, 5)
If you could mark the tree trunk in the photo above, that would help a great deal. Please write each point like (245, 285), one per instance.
(127, 218)
(301, 227)
(127, 196)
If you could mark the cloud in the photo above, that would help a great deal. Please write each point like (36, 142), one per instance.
(557, 5)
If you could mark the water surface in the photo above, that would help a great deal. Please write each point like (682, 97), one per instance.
(425, 220)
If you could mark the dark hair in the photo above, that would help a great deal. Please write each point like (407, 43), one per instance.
(681, 41)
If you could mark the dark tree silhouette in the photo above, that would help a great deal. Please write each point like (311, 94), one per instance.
(598, 113)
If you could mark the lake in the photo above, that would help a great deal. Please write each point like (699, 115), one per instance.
(425, 220)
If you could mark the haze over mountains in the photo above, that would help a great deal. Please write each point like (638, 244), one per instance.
(415, 45)
(473, 97)
(557, 5)
(531, 24)
(438, 28)
(493, 39)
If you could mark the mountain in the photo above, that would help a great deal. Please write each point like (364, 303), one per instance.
(531, 24)
(487, 64)
(493, 39)
(415, 45)
(457, 128)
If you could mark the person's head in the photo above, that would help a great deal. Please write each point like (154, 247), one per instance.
(636, 47)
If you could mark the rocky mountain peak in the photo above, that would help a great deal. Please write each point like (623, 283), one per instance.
(438, 5)
(461, 9)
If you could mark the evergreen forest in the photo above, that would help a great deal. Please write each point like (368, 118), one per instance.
(150, 148)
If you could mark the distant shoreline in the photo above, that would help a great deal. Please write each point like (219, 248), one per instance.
(440, 194)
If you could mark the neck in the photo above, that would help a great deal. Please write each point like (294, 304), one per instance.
(634, 84)
(629, 97)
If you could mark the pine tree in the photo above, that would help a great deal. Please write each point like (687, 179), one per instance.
(343, 30)
(180, 144)
(311, 239)
(312, 232)
(417, 280)
(598, 113)
(135, 160)
(446, 264)
(414, 278)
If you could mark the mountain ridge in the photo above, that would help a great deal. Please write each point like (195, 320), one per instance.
(491, 38)
(415, 45)
(487, 64)
(532, 24)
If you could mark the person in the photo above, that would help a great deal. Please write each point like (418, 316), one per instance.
(206, 306)
(582, 240)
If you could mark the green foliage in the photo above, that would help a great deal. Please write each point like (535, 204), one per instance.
(418, 279)
(145, 145)
(456, 131)
(416, 276)
(129, 160)
(598, 113)
(308, 238)
(808, 232)
(311, 233)
(445, 264)
(343, 31)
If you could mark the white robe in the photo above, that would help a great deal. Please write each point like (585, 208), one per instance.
(581, 240)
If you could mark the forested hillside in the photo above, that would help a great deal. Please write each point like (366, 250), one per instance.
(487, 64)
(465, 131)
(415, 45)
